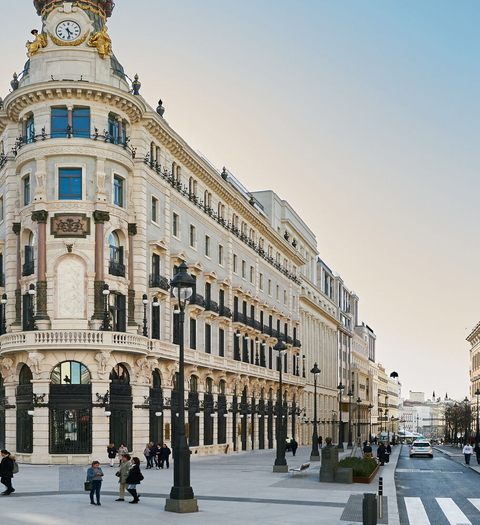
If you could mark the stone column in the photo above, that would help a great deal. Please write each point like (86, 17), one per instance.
(41, 423)
(42, 318)
(132, 230)
(99, 217)
(17, 228)
(100, 422)
(140, 417)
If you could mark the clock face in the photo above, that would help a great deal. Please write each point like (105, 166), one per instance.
(68, 30)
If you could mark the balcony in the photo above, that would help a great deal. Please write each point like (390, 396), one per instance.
(224, 311)
(158, 281)
(212, 306)
(240, 318)
(28, 268)
(115, 268)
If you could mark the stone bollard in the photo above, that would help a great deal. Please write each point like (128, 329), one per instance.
(369, 508)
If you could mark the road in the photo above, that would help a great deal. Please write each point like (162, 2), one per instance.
(437, 491)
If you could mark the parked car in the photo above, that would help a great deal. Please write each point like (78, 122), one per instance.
(421, 447)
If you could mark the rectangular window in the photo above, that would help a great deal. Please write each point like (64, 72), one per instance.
(244, 269)
(1, 209)
(193, 236)
(270, 287)
(278, 293)
(116, 130)
(117, 191)
(235, 263)
(154, 209)
(176, 225)
(81, 122)
(260, 283)
(252, 275)
(207, 246)
(59, 122)
(26, 190)
(220, 255)
(221, 342)
(70, 183)
(284, 296)
(193, 334)
(30, 130)
(208, 338)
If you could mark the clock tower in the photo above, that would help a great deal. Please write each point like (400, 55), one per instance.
(73, 44)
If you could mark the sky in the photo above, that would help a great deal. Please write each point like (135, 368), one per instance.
(363, 114)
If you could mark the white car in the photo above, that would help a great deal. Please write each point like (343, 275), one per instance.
(421, 447)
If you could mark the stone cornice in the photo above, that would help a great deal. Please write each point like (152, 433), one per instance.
(22, 98)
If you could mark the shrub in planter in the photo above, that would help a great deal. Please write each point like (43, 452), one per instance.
(362, 467)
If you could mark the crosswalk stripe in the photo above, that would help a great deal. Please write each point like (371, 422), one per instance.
(475, 502)
(416, 512)
(453, 514)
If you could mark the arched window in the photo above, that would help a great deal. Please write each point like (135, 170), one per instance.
(119, 375)
(116, 266)
(193, 384)
(156, 379)
(25, 376)
(209, 385)
(221, 387)
(29, 265)
(70, 373)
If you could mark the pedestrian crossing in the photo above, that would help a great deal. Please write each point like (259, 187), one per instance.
(417, 514)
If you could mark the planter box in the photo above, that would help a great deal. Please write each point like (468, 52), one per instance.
(367, 480)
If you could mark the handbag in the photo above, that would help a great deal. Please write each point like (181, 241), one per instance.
(88, 485)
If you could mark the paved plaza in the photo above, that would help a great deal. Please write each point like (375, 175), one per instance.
(237, 489)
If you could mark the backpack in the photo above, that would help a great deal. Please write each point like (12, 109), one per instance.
(15, 467)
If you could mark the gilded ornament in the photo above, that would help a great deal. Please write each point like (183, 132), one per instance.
(39, 42)
(102, 42)
(77, 42)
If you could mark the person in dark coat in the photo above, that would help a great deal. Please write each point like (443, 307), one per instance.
(112, 453)
(476, 449)
(6, 472)
(381, 453)
(164, 455)
(133, 479)
(388, 451)
(293, 446)
(367, 450)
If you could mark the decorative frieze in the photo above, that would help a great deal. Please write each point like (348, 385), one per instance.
(69, 224)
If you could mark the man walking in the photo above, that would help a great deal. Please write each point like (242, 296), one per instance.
(467, 452)
(122, 474)
(164, 455)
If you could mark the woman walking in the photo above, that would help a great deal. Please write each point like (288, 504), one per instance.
(112, 453)
(6, 472)
(467, 452)
(95, 474)
(133, 479)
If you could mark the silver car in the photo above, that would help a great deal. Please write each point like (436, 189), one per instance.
(421, 447)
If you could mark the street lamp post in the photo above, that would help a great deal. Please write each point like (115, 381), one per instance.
(380, 411)
(350, 395)
(280, 464)
(181, 495)
(340, 388)
(315, 455)
(370, 406)
(4, 314)
(145, 302)
(477, 435)
(155, 319)
(359, 405)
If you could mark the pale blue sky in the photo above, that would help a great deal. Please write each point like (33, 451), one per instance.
(362, 114)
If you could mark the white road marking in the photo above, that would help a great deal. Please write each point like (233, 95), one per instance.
(416, 512)
(475, 502)
(453, 514)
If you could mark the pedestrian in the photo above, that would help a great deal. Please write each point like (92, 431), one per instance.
(320, 441)
(134, 478)
(122, 449)
(367, 450)
(112, 453)
(6, 472)
(477, 451)
(158, 452)
(164, 455)
(122, 474)
(287, 444)
(153, 453)
(388, 451)
(467, 452)
(146, 453)
(95, 474)
(293, 446)
(381, 451)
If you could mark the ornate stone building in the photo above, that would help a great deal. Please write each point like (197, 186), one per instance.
(100, 202)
